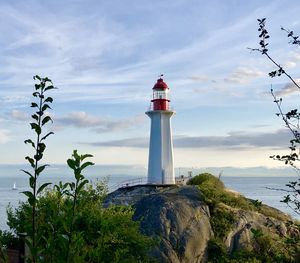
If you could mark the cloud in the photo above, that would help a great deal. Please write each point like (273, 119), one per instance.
(4, 136)
(199, 78)
(260, 125)
(13, 98)
(233, 140)
(276, 139)
(133, 142)
(289, 89)
(289, 65)
(243, 75)
(19, 115)
(100, 125)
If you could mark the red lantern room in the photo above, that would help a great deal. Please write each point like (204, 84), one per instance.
(160, 95)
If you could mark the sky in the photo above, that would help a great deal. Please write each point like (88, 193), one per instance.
(105, 56)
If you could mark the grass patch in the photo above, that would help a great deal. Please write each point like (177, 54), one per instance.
(221, 221)
(217, 253)
(266, 248)
(214, 193)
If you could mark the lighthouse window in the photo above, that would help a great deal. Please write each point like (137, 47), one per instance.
(161, 94)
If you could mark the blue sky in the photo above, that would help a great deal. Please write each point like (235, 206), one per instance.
(105, 56)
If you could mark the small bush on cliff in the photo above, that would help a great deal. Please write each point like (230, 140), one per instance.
(206, 178)
(224, 205)
(217, 253)
(214, 192)
(221, 221)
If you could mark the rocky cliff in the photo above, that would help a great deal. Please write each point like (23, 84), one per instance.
(194, 228)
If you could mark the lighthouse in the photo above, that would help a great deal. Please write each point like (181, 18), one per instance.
(160, 163)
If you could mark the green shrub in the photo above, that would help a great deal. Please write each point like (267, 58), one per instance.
(221, 221)
(266, 248)
(208, 179)
(98, 234)
(214, 192)
(9, 240)
(217, 253)
(270, 248)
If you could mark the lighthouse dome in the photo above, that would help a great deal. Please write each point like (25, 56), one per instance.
(160, 85)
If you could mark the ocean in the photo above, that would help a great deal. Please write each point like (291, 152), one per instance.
(254, 187)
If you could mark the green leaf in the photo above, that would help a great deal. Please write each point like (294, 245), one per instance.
(45, 107)
(76, 156)
(37, 77)
(49, 133)
(34, 105)
(82, 157)
(36, 127)
(42, 85)
(34, 116)
(71, 164)
(38, 157)
(41, 168)
(81, 185)
(31, 161)
(42, 187)
(46, 119)
(49, 99)
(72, 186)
(40, 113)
(36, 93)
(30, 196)
(84, 165)
(24, 171)
(77, 174)
(30, 141)
(41, 148)
(32, 181)
(28, 242)
(49, 88)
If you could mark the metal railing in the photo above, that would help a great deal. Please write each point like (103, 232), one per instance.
(127, 183)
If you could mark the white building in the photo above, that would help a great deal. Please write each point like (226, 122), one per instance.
(160, 164)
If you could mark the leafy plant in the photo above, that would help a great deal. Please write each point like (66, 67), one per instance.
(76, 228)
(74, 190)
(291, 118)
(40, 119)
(68, 223)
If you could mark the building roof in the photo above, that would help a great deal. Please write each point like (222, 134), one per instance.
(160, 85)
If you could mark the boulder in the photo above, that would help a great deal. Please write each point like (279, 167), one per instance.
(180, 219)
(177, 215)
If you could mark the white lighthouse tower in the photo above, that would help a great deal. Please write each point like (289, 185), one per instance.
(160, 164)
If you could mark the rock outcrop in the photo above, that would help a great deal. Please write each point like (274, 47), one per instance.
(177, 215)
(180, 218)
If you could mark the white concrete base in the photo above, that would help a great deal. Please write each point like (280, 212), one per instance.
(160, 164)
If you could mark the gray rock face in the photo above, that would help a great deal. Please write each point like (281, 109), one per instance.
(240, 235)
(177, 215)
